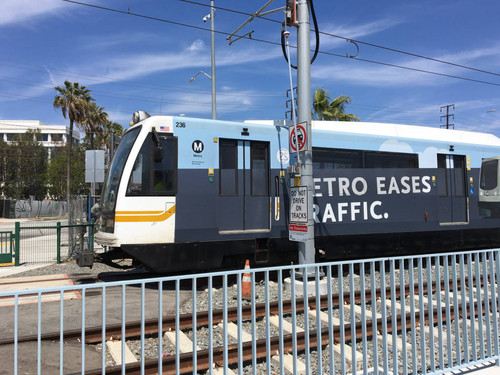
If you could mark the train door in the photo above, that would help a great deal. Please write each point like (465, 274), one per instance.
(244, 193)
(452, 189)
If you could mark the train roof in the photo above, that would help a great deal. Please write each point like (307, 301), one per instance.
(424, 133)
(399, 131)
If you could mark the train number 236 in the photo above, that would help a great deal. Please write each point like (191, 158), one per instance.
(180, 124)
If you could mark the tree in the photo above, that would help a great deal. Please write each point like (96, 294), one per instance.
(93, 122)
(110, 127)
(73, 100)
(331, 110)
(4, 147)
(56, 185)
(26, 164)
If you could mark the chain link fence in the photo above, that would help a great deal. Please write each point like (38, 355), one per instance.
(45, 241)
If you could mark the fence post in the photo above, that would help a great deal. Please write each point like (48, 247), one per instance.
(92, 226)
(18, 240)
(58, 242)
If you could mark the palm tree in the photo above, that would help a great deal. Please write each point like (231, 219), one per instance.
(73, 101)
(94, 122)
(331, 110)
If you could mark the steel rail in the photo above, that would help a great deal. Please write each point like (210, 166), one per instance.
(93, 335)
(202, 356)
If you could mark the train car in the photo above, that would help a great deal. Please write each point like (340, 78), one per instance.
(193, 194)
(489, 187)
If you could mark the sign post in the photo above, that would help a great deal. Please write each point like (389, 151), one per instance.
(306, 249)
(94, 167)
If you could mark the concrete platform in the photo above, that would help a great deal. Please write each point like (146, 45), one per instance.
(36, 282)
(6, 271)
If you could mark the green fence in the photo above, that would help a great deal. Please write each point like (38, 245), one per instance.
(6, 247)
(42, 242)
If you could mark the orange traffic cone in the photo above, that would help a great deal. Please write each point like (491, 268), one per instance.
(246, 285)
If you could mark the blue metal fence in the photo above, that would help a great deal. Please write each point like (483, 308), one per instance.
(407, 315)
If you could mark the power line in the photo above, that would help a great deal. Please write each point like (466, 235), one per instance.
(358, 41)
(279, 44)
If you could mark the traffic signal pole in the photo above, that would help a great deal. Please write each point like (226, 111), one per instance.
(306, 249)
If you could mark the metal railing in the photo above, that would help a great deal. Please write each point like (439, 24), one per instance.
(42, 242)
(408, 315)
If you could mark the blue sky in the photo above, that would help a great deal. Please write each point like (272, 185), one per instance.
(133, 63)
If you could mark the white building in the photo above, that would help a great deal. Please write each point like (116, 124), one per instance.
(52, 136)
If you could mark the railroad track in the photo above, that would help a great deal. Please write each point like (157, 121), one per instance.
(333, 335)
(295, 340)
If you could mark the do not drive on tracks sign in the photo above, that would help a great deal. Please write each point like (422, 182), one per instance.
(298, 214)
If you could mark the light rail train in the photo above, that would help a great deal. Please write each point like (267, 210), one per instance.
(192, 194)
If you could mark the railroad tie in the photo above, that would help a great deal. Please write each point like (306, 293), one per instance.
(220, 371)
(469, 321)
(369, 317)
(337, 347)
(274, 320)
(185, 343)
(232, 331)
(115, 349)
(288, 364)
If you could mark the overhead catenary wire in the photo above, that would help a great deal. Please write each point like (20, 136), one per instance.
(279, 44)
(144, 85)
(360, 42)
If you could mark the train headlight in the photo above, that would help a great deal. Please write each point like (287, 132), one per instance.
(139, 116)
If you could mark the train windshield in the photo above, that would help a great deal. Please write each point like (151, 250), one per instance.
(155, 169)
(489, 173)
(112, 182)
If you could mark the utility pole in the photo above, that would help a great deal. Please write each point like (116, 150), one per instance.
(306, 249)
(212, 29)
(448, 115)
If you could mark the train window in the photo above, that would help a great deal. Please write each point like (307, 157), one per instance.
(442, 176)
(259, 165)
(228, 167)
(110, 190)
(150, 177)
(328, 158)
(165, 170)
(381, 159)
(331, 158)
(459, 175)
(489, 173)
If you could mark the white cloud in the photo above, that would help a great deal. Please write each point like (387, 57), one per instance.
(19, 11)
(194, 104)
(197, 45)
(119, 68)
(355, 31)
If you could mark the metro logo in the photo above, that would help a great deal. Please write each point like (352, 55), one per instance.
(198, 146)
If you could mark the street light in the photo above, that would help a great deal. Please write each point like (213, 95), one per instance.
(212, 77)
(200, 72)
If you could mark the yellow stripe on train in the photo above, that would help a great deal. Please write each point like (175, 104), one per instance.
(141, 216)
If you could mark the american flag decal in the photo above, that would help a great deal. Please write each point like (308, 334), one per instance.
(164, 128)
